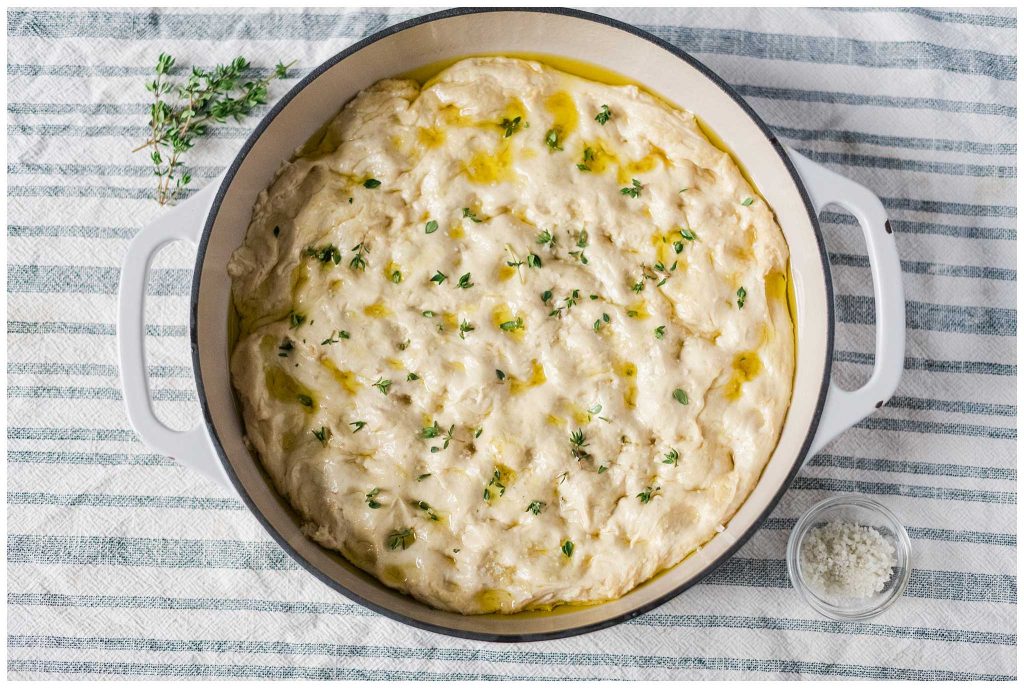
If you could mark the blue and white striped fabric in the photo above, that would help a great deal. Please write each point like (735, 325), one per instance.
(121, 564)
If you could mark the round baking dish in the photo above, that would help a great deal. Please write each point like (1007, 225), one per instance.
(217, 217)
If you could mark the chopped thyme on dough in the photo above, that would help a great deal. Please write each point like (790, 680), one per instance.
(396, 276)
(358, 425)
(671, 458)
(383, 385)
(551, 138)
(496, 483)
(438, 278)
(546, 238)
(465, 282)
(466, 212)
(296, 319)
(645, 496)
(430, 227)
(286, 346)
(536, 507)
(569, 300)
(680, 396)
(464, 327)
(371, 183)
(335, 338)
(431, 431)
(545, 296)
(577, 442)
(741, 297)
(423, 506)
(632, 191)
(659, 332)
(688, 234)
(638, 287)
(632, 313)
(603, 116)
(601, 469)
(412, 377)
(429, 314)
(567, 548)
(371, 502)
(588, 156)
(305, 400)
(533, 261)
(404, 538)
(323, 434)
(325, 254)
(423, 476)
(358, 261)
(511, 126)
(582, 240)
(500, 374)
(747, 201)
(512, 325)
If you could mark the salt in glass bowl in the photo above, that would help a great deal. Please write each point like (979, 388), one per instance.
(864, 512)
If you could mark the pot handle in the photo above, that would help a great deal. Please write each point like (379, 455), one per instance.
(191, 448)
(843, 408)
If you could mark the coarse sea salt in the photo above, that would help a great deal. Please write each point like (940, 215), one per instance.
(846, 560)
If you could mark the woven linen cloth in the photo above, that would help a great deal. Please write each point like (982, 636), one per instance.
(121, 564)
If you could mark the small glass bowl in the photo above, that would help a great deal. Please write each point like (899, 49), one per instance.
(865, 512)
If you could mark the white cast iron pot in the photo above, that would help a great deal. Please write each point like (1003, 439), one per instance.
(216, 219)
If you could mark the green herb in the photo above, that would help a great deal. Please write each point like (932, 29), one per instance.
(479, 431)
(358, 425)
(551, 138)
(403, 538)
(464, 281)
(545, 296)
(659, 332)
(588, 156)
(438, 278)
(429, 314)
(342, 334)
(678, 246)
(688, 234)
(638, 287)
(402, 346)
(741, 297)
(466, 212)
(396, 276)
(296, 319)
(371, 183)
(567, 548)
(358, 261)
(500, 374)
(286, 346)
(645, 496)
(546, 238)
(420, 478)
(603, 116)
(325, 254)
(680, 396)
(536, 507)
(430, 227)
(632, 191)
(305, 400)
(582, 239)
(464, 327)
(569, 302)
(383, 385)
(412, 377)
(533, 261)
(323, 434)
(496, 483)
(747, 201)
(512, 325)
(371, 502)
(423, 506)
(562, 478)
(672, 458)
(595, 409)
(601, 469)
(511, 126)
(632, 314)
(205, 98)
(577, 442)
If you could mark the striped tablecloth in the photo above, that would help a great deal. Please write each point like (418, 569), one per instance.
(121, 564)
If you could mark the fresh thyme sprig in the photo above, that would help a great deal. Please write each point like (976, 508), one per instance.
(205, 98)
